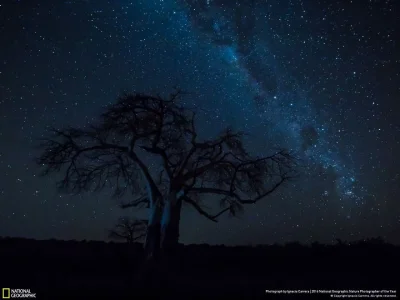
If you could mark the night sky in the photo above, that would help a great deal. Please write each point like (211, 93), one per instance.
(319, 77)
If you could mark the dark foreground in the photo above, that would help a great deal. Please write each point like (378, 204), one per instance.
(92, 270)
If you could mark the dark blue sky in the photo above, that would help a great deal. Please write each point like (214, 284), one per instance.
(319, 77)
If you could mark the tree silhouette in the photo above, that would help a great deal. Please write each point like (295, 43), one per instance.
(149, 146)
(130, 230)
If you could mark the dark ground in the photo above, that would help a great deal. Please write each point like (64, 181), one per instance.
(92, 270)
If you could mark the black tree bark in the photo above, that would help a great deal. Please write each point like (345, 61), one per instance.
(170, 225)
(153, 236)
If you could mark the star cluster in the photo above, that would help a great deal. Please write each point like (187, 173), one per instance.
(318, 77)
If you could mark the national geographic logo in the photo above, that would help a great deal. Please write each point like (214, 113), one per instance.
(7, 293)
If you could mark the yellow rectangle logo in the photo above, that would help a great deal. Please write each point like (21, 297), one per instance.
(5, 293)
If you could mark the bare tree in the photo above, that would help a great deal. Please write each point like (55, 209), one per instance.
(149, 146)
(128, 229)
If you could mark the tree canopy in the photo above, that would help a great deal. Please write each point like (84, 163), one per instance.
(150, 146)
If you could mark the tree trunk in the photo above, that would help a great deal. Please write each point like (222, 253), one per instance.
(170, 224)
(152, 243)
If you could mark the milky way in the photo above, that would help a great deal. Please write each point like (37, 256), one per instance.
(239, 30)
(318, 77)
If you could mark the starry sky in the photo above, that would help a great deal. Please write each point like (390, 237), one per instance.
(319, 77)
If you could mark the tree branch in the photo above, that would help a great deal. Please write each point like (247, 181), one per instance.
(141, 200)
(203, 212)
(204, 190)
